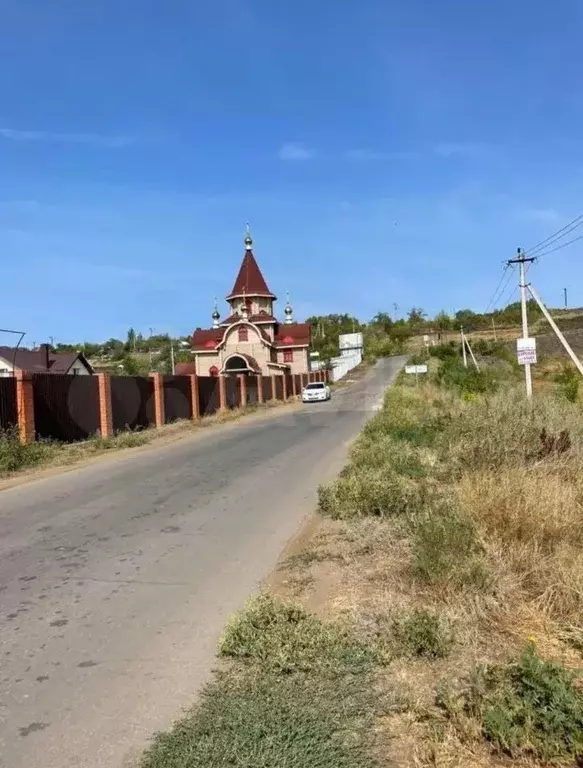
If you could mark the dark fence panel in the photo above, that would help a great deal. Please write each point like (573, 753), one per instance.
(279, 387)
(176, 398)
(252, 396)
(233, 389)
(298, 378)
(267, 388)
(208, 395)
(8, 409)
(132, 402)
(66, 407)
(289, 384)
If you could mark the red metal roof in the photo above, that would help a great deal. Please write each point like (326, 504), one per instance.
(293, 334)
(250, 281)
(206, 338)
(251, 362)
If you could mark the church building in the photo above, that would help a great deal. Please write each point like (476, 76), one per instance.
(250, 339)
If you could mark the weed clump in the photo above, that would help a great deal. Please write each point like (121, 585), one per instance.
(529, 707)
(283, 637)
(15, 456)
(421, 633)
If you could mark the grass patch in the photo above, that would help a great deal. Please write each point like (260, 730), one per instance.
(15, 457)
(421, 633)
(297, 693)
(528, 707)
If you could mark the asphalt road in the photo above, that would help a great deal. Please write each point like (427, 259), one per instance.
(116, 579)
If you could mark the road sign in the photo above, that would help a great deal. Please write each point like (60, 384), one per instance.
(415, 369)
(526, 351)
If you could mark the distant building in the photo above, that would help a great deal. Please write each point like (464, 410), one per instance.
(42, 360)
(250, 339)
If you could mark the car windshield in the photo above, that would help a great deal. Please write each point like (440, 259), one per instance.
(319, 385)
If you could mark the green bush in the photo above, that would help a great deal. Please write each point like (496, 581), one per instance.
(421, 633)
(529, 707)
(15, 456)
(445, 547)
(445, 351)
(282, 636)
(568, 381)
(452, 373)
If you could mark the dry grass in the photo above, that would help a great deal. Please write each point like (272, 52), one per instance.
(487, 492)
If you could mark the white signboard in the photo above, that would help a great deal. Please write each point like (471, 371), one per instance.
(415, 369)
(526, 351)
(350, 341)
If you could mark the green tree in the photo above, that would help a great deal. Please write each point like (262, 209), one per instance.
(131, 341)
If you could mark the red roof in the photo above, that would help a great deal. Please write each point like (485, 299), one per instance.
(250, 281)
(206, 339)
(261, 318)
(293, 334)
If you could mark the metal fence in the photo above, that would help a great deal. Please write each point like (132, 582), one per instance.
(252, 394)
(132, 402)
(279, 387)
(66, 408)
(267, 394)
(176, 398)
(298, 379)
(289, 384)
(8, 409)
(233, 391)
(208, 395)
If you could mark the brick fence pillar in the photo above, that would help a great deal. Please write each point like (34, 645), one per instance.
(243, 385)
(260, 388)
(25, 408)
(105, 410)
(294, 385)
(194, 401)
(273, 387)
(158, 382)
(222, 393)
(284, 386)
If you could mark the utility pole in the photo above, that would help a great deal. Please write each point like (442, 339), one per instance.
(494, 329)
(565, 292)
(172, 357)
(521, 259)
(464, 348)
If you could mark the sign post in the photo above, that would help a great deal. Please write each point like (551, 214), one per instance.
(526, 351)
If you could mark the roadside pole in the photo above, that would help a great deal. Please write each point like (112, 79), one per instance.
(556, 329)
(521, 259)
(494, 329)
(465, 356)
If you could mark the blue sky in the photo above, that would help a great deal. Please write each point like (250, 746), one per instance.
(385, 153)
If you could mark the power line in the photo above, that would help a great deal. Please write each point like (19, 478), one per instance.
(558, 247)
(504, 289)
(555, 237)
(492, 301)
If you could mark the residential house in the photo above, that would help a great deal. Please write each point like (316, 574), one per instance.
(42, 360)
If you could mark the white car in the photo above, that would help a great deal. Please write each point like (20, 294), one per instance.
(317, 391)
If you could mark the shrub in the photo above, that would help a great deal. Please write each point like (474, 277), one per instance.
(528, 707)
(283, 637)
(15, 456)
(452, 373)
(421, 633)
(445, 351)
(568, 381)
(446, 548)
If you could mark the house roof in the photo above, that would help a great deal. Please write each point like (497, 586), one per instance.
(206, 338)
(293, 335)
(35, 361)
(250, 281)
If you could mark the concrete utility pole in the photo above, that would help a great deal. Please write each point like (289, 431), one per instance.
(494, 329)
(521, 259)
(464, 348)
(565, 292)
(556, 329)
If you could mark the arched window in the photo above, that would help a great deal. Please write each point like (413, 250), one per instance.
(243, 333)
(213, 371)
